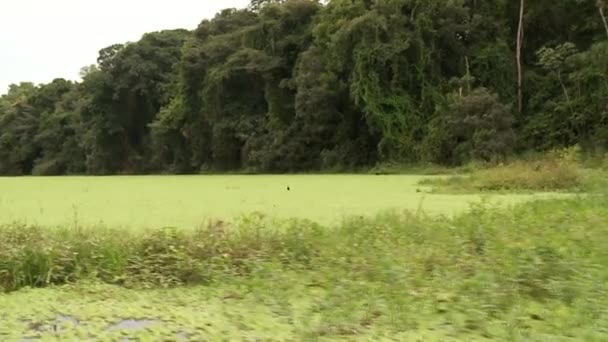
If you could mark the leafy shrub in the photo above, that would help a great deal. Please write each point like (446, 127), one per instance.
(557, 170)
(472, 127)
(33, 256)
(48, 168)
(486, 263)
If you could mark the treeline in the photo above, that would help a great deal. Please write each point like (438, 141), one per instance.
(301, 85)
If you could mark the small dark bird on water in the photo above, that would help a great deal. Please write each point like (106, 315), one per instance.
(288, 189)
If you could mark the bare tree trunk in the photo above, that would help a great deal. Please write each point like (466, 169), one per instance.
(468, 77)
(520, 39)
(600, 6)
(561, 81)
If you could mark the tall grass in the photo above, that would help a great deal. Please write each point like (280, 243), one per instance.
(558, 170)
(544, 250)
(539, 262)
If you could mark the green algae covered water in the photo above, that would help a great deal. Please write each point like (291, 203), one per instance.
(188, 201)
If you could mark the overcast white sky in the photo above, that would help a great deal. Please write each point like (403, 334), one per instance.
(44, 39)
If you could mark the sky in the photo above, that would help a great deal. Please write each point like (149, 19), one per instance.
(41, 40)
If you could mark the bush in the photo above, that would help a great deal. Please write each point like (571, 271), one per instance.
(538, 266)
(33, 256)
(472, 127)
(48, 168)
(558, 170)
(536, 250)
(540, 261)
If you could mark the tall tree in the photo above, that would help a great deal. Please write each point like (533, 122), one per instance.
(127, 91)
(297, 85)
(520, 40)
(601, 4)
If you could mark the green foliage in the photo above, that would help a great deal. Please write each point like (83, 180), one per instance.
(571, 99)
(33, 256)
(557, 170)
(554, 58)
(472, 127)
(133, 83)
(306, 85)
(488, 272)
(18, 122)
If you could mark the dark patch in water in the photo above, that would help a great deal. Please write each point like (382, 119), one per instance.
(37, 328)
(55, 326)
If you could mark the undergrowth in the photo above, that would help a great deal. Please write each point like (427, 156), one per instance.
(540, 261)
(543, 249)
(389, 168)
(559, 170)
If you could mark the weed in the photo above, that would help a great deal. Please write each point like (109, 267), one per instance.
(556, 171)
(489, 272)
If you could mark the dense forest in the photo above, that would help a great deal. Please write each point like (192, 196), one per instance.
(301, 85)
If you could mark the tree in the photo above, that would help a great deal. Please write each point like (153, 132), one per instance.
(18, 125)
(520, 40)
(601, 4)
(554, 59)
(298, 85)
(476, 126)
(128, 90)
(59, 130)
(256, 5)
